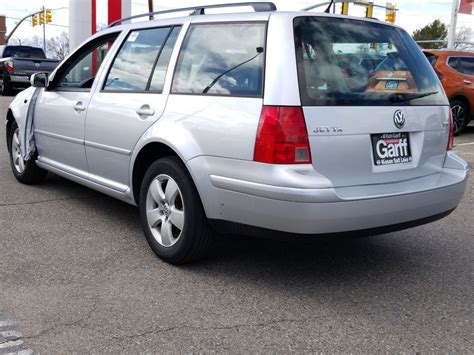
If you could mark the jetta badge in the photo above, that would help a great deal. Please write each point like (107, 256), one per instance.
(399, 119)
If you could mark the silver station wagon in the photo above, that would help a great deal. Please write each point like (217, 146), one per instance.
(258, 122)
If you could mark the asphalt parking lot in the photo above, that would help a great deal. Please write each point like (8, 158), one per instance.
(76, 275)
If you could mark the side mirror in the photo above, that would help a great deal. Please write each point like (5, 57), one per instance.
(39, 80)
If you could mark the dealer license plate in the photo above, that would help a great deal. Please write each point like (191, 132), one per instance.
(391, 148)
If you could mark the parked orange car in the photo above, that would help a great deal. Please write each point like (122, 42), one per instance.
(456, 72)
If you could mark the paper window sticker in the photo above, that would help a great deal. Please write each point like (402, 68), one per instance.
(133, 36)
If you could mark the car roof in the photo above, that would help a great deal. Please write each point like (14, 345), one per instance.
(20, 46)
(239, 16)
(449, 53)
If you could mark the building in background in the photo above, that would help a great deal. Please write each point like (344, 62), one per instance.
(3, 29)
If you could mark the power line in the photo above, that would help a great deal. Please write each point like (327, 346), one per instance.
(49, 24)
(26, 10)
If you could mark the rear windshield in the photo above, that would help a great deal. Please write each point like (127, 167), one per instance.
(23, 52)
(360, 63)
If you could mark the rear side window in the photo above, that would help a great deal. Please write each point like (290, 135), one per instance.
(432, 59)
(464, 65)
(351, 62)
(134, 62)
(222, 59)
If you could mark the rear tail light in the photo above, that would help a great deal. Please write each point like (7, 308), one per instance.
(451, 132)
(282, 137)
(9, 66)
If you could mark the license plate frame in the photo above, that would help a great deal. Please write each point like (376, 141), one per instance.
(390, 149)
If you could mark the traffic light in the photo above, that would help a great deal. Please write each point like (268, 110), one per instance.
(34, 20)
(48, 16)
(390, 15)
(41, 18)
(345, 8)
(369, 12)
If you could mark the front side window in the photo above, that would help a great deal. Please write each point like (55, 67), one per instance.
(83, 67)
(468, 65)
(222, 59)
(455, 63)
(464, 65)
(351, 62)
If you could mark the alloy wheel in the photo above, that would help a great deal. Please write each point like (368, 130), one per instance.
(165, 210)
(18, 162)
(458, 117)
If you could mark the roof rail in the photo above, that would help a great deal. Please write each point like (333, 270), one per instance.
(200, 10)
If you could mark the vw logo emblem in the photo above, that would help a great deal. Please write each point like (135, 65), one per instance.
(37, 65)
(399, 119)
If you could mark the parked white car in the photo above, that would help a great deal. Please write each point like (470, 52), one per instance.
(264, 122)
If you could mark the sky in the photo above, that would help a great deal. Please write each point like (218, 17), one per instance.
(412, 14)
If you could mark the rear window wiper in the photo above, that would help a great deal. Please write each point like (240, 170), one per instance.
(401, 97)
(209, 87)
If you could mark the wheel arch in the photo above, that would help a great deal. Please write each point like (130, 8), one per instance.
(149, 153)
(10, 119)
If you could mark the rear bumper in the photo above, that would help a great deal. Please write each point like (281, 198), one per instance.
(234, 228)
(16, 80)
(24, 79)
(294, 203)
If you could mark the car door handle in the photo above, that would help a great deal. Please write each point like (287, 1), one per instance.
(79, 106)
(467, 82)
(145, 111)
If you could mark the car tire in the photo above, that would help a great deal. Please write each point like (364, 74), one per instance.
(460, 116)
(171, 213)
(26, 172)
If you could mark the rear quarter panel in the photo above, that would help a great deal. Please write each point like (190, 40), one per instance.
(196, 125)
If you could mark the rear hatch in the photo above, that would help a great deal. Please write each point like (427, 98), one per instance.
(374, 109)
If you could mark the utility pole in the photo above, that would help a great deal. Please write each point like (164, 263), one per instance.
(44, 29)
(452, 26)
(150, 8)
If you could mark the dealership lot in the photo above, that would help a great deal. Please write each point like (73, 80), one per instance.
(76, 274)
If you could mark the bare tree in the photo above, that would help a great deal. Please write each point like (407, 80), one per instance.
(58, 47)
(34, 41)
(464, 34)
(16, 41)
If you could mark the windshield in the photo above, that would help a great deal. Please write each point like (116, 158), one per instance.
(351, 62)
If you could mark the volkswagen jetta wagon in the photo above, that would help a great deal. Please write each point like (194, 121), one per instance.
(259, 122)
